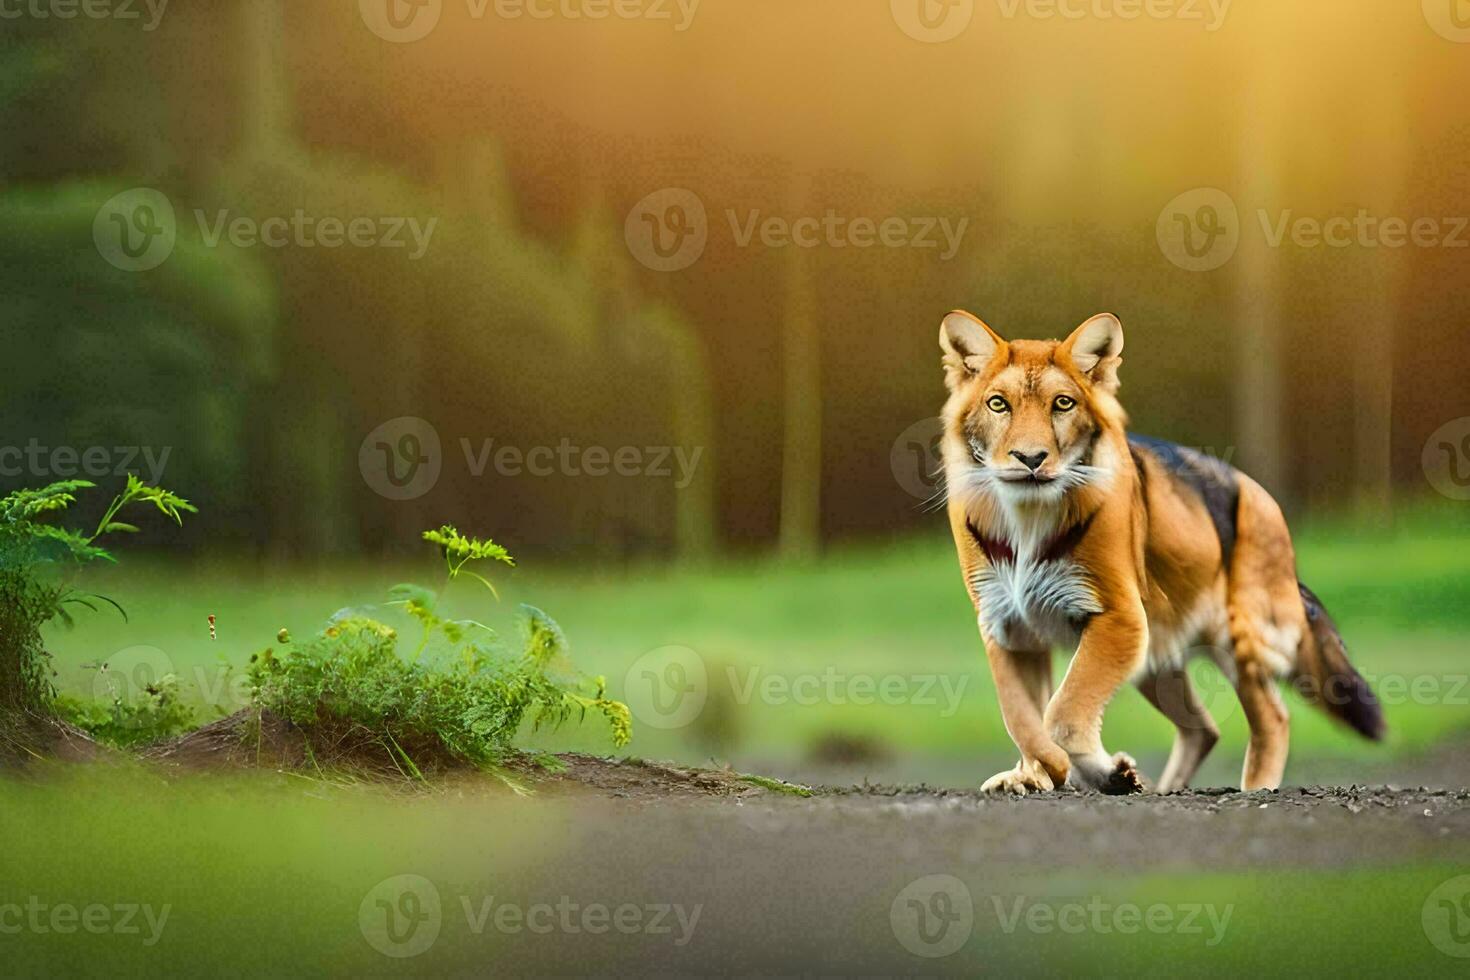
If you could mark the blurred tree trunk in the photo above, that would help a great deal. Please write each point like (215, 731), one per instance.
(659, 342)
(801, 452)
(299, 421)
(692, 423)
(1256, 286)
(1371, 322)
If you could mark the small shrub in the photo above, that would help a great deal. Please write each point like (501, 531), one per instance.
(38, 563)
(156, 716)
(455, 694)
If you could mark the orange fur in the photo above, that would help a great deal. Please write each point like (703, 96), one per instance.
(1067, 532)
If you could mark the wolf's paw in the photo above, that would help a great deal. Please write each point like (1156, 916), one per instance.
(1124, 779)
(1027, 777)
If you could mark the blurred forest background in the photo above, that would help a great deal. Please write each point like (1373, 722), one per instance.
(529, 320)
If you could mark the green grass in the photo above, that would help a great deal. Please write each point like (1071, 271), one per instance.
(266, 873)
(776, 785)
(269, 875)
(794, 654)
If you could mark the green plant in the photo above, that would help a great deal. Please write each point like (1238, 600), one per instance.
(38, 565)
(465, 700)
(157, 715)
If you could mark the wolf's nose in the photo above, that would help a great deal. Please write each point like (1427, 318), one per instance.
(1032, 460)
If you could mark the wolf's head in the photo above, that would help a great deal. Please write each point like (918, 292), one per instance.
(1025, 418)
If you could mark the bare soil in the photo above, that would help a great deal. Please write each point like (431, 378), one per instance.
(1322, 826)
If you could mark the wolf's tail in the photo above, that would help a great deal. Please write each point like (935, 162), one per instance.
(1324, 676)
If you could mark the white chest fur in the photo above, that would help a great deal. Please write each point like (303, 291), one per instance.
(1030, 604)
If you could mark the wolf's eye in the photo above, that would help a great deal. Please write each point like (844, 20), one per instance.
(997, 404)
(1064, 403)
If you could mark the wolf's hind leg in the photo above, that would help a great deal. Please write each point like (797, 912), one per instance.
(1171, 691)
(1265, 756)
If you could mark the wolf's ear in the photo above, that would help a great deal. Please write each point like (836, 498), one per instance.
(968, 345)
(1096, 349)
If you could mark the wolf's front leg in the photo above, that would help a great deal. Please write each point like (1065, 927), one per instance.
(1023, 684)
(1113, 645)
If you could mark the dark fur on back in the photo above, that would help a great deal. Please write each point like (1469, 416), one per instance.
(1214, 481)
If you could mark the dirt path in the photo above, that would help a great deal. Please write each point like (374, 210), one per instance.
(831, 884)
(721, 873)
